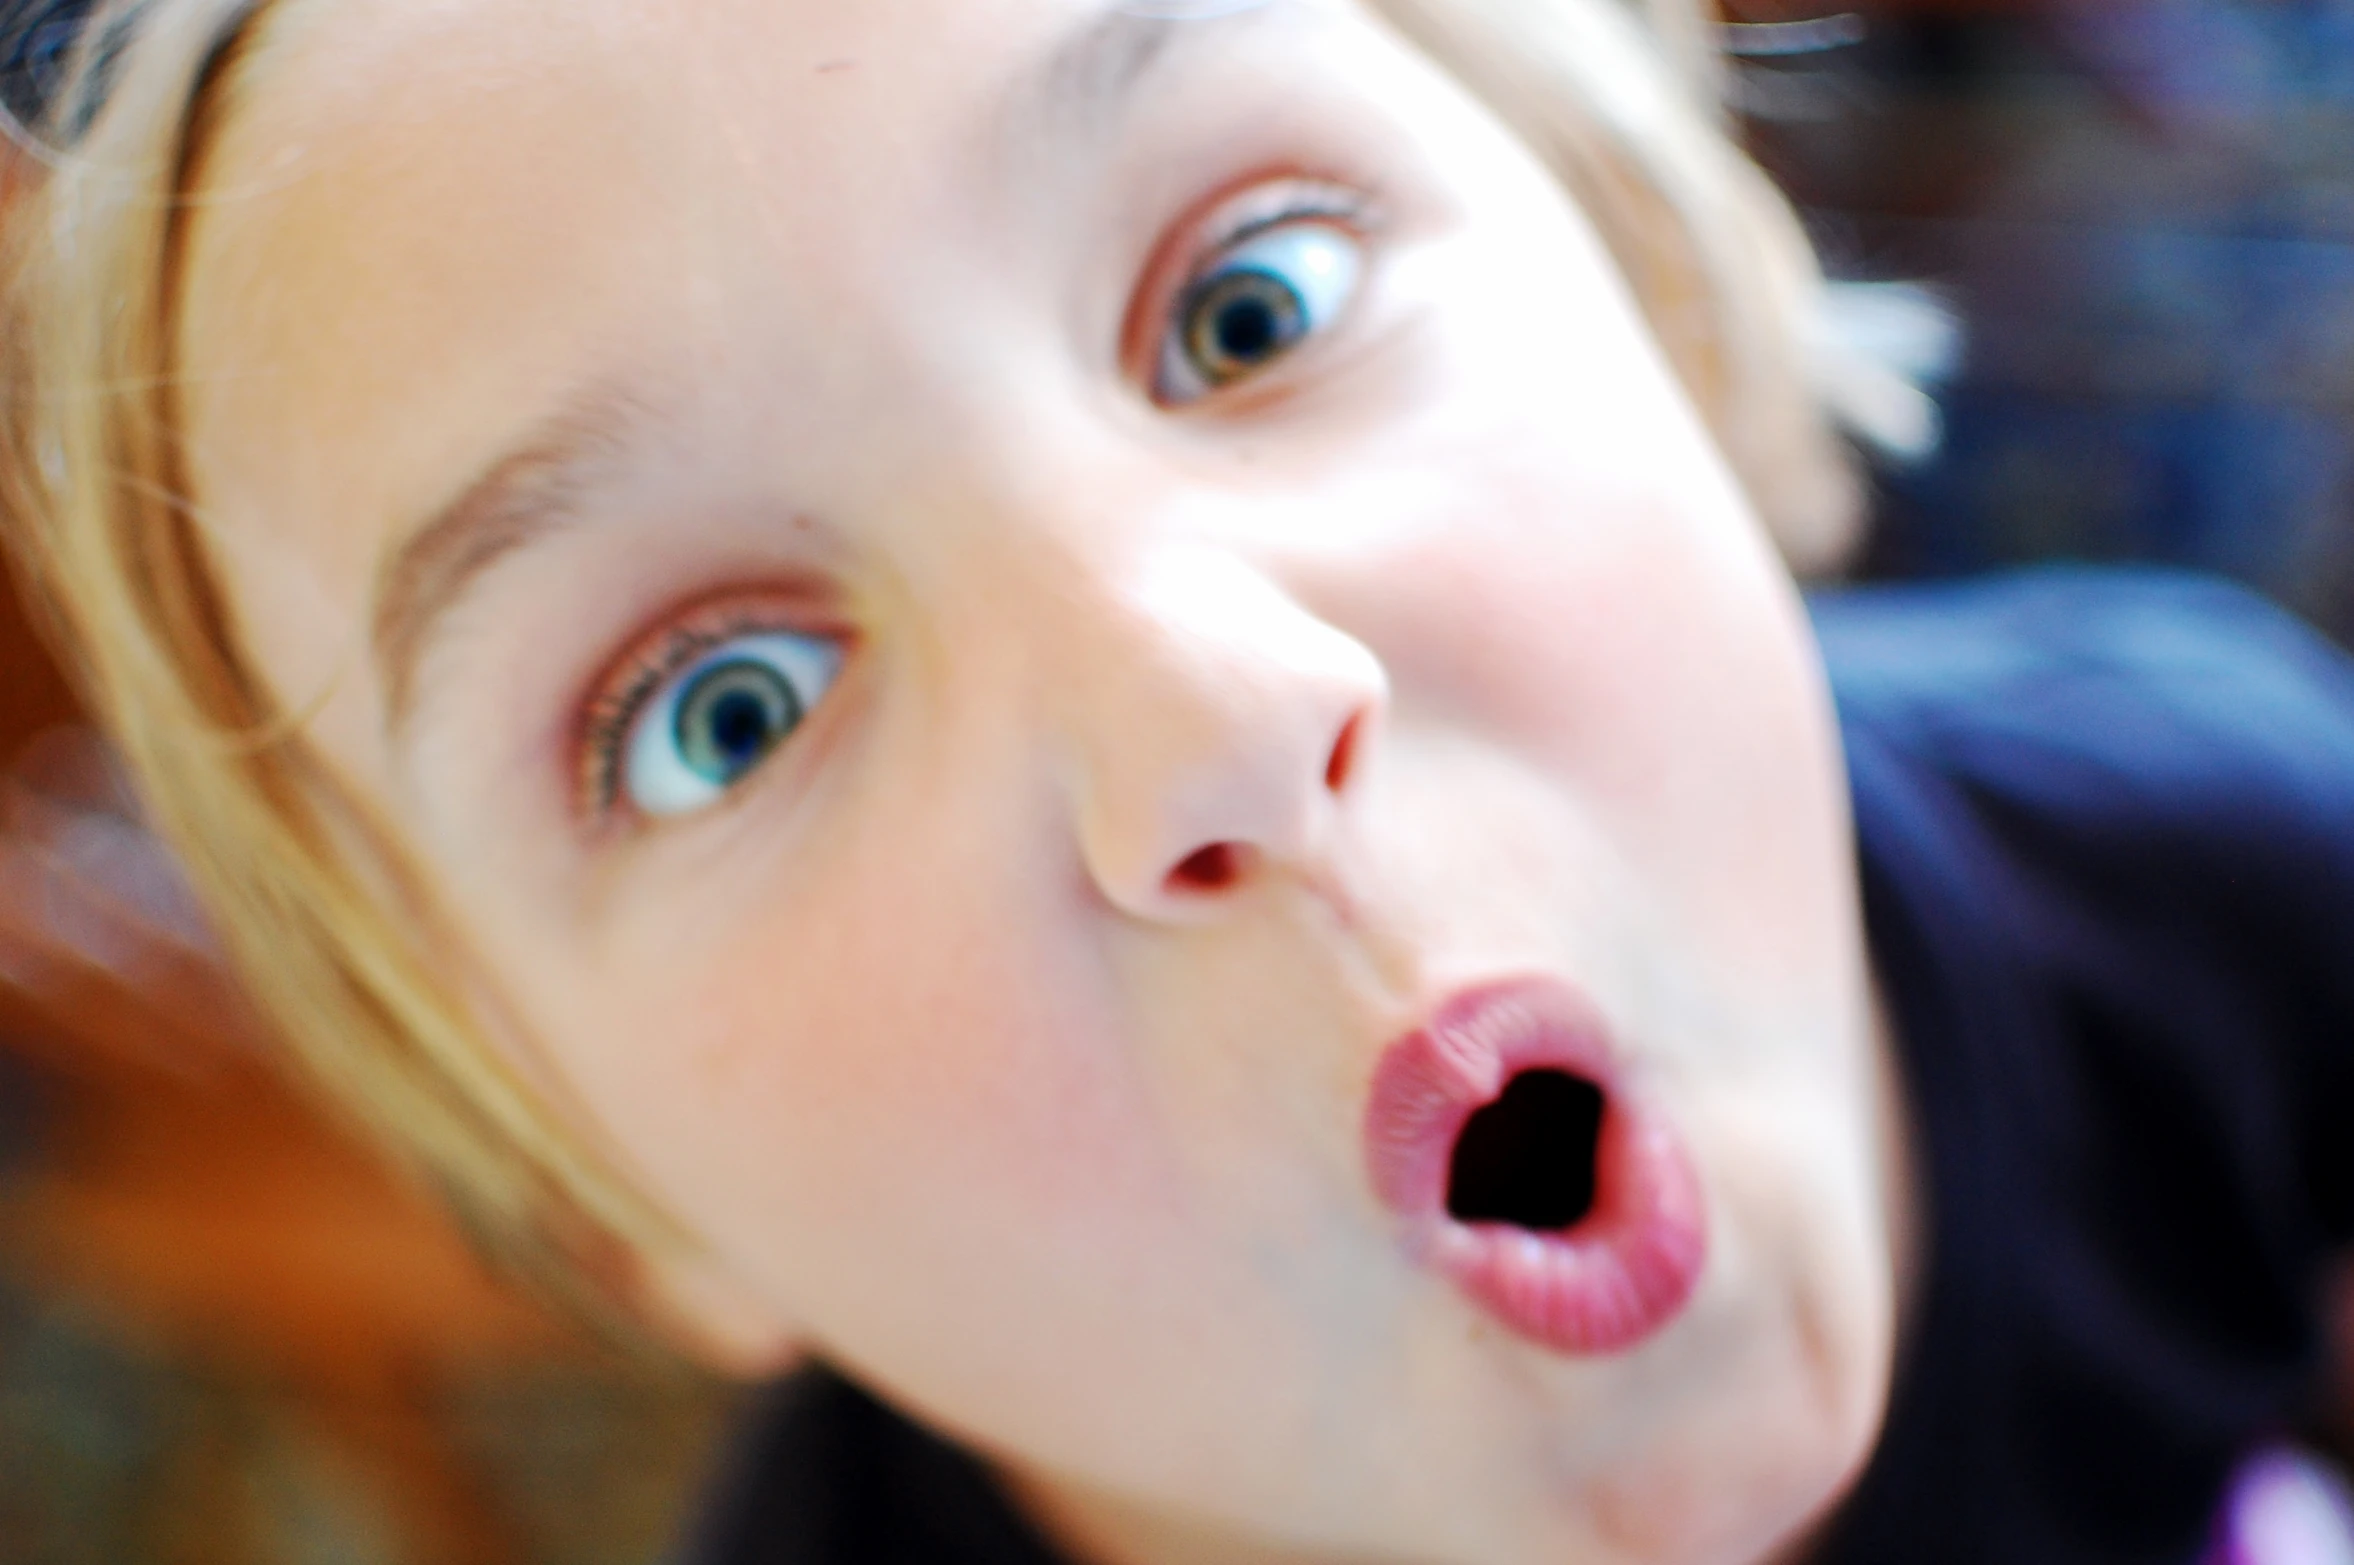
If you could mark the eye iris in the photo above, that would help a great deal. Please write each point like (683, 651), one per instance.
(731, 716)
(1240, 320)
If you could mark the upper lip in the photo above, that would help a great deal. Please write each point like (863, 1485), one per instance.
(1431, 1078)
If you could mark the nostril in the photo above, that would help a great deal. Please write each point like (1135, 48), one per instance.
(1343, 760)
(1213, 868)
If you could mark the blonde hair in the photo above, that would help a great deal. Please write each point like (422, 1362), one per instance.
(333, 935)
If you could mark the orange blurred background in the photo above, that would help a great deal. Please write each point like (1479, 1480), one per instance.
(228, 1335)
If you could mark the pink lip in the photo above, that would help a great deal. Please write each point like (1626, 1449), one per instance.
(1620, 1273)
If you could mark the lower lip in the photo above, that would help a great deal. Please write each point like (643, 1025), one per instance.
(1621, 1272)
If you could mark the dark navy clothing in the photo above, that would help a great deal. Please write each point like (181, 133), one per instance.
(2106, 827)
(2105, 824)
(826, 1475)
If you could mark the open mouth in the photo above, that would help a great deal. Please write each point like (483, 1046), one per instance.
(1528, 1157)
(1559, 1200)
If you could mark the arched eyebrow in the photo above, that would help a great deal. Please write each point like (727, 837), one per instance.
(1091, 74)
(529, 493)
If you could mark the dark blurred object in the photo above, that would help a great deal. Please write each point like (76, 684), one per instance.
(2143, 212)
(229, 1334)
(37, 41)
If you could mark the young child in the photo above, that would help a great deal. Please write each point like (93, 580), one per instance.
(1084, 707)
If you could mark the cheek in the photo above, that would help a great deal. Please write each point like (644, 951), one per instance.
(855, 1104)
(1572, 570)
(1717, 766)
(1630, 637)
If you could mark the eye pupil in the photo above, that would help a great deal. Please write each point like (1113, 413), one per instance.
(740, 724)
(1248, 328)
(1240, 320)
(732, 715)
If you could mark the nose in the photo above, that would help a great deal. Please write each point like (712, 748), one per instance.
(1221, 727)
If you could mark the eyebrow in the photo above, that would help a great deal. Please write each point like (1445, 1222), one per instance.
(531, 492)
(1095, 71)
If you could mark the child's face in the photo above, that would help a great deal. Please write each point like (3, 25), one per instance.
(1036, 617)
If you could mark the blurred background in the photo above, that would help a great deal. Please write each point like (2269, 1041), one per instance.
(2142, 213)
(229, 1337)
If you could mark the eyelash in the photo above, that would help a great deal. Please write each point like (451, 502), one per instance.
(631, 682)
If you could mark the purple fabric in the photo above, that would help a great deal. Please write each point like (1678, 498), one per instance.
(2285, 1508)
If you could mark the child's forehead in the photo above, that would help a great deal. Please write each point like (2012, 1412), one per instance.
(342, 55)
(369, 141)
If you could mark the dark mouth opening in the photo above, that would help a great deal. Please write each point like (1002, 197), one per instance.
(1528, 1158)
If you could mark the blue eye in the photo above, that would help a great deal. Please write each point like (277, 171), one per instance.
(720, 716)
(1263, 296)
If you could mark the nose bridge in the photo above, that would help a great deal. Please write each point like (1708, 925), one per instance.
(1216, 722)
(1200, 720)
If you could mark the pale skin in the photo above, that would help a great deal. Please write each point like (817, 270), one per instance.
(1003, 1033)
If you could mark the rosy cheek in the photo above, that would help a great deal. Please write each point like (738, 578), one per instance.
(900, 1081)
(1643, 650)
(1725, 786)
